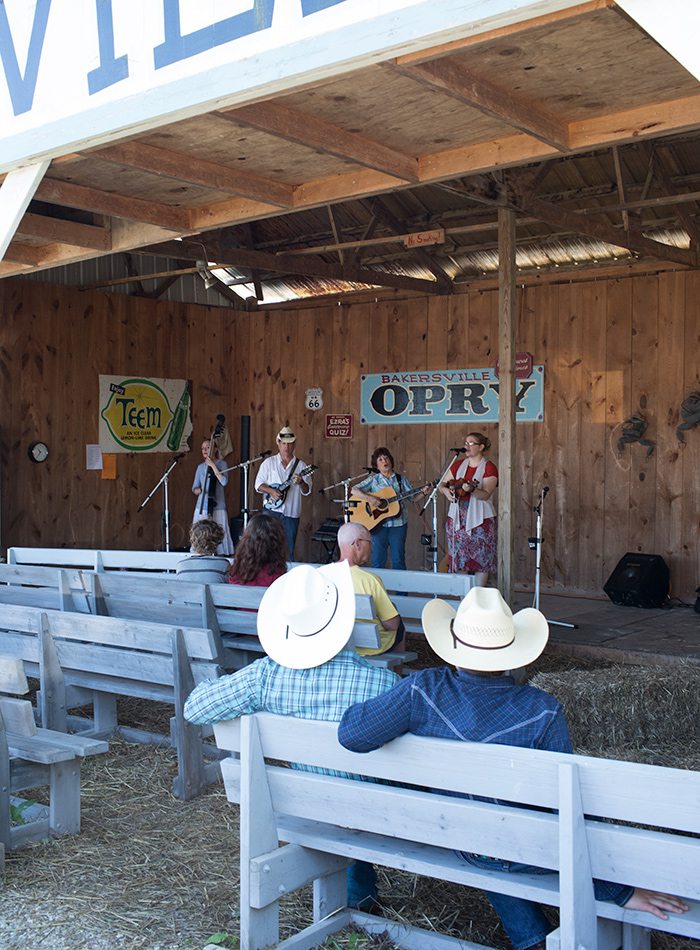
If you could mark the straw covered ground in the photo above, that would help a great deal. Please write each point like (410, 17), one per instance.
(149, 872)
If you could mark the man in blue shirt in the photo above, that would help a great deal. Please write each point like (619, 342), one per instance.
(477, 703)
(305, 621)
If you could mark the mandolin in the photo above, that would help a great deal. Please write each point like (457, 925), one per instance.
(273, 504)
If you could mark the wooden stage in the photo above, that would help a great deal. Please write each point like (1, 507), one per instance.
(619, 634)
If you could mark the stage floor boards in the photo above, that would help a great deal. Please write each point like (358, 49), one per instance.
(619, 634)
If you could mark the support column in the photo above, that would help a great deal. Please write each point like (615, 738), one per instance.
(16, 191)
(506, 399)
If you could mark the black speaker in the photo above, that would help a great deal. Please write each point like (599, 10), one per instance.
(639, 580)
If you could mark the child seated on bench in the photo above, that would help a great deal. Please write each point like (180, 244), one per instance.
(476, 702)
(204, 566)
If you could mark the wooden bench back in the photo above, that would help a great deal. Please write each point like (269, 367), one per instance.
(663, 798)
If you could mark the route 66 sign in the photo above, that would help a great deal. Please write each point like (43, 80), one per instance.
(314, 398)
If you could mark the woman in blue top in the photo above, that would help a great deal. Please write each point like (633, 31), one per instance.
(388, 533)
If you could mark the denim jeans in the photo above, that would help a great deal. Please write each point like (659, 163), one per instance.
(291, 526)
(361, 883)
(523, 920)
(393, 539)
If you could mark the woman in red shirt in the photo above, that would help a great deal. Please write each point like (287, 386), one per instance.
(261, 554)
(471, 520)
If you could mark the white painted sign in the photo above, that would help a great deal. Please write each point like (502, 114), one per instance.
(78, 73)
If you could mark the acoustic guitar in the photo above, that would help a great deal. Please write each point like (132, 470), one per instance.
(274, 504)
(389, 506)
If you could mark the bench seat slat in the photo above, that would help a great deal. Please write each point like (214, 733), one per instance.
(492, 771)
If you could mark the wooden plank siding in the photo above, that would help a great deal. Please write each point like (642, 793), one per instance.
(610, 348)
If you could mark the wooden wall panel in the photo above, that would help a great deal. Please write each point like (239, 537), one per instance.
(610, 348)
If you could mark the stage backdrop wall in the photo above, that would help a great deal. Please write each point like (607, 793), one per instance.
(609, 347)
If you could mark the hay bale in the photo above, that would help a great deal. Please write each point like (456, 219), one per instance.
(628, 706)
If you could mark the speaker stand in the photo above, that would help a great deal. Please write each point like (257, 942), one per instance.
(535, 545)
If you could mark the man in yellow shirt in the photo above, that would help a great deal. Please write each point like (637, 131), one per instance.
(355, 546)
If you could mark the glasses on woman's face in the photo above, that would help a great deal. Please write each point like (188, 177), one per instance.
(472, 443)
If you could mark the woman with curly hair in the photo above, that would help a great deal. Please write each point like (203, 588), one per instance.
(261, 553)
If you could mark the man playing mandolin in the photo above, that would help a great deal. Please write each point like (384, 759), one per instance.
(285, 478)
(388, 533)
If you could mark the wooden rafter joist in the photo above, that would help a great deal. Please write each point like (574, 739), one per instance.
(380, 209)
(571, 221)
(658, 201)
(498, 102)
(198, 171)
(115, 205)
(22, 254)
(664, 167)
(56, 230)
(303, 267)
(313, 132)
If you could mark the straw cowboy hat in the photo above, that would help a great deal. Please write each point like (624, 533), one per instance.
(286, 435)
(482, 634)
(306, 617)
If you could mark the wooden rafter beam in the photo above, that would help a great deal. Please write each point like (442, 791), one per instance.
(197, 171)
(571, 221)
(70, 195)
(479, 93)
(56, 230)
(380, 209)
(22, 254)
(665, 170)
(313, 132)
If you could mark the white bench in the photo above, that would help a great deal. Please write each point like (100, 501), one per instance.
(34, 758)
(81, 659)
(325, 821)
(228, 610)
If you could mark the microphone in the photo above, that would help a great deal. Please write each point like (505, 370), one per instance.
(458, 450)
(179, 456)
(264, 455)
(371, 470)
(545, 490)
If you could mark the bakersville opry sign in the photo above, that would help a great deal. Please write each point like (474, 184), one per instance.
(450, 395)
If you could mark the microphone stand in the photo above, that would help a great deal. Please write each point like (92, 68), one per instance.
(163, 480)
(245, 465)
(346, 483)
(432, 499)
(535, 544)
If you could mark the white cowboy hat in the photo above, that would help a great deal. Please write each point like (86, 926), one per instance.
(306, 616)
(482, 634)
(286, 435)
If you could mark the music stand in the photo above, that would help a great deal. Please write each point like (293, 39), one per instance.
(535, 544)
(163, 480)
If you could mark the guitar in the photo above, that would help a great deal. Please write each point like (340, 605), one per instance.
(390, 505)
(274, 504)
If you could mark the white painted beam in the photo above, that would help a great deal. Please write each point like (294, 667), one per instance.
(16, 192)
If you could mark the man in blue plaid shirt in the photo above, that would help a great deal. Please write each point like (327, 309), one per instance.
(477, 703)
(305, 621)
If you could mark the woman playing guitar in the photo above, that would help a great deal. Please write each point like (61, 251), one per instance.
(390, 534)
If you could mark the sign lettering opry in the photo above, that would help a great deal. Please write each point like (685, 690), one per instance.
(450, 395)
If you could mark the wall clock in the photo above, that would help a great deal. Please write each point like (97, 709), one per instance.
(38, 451)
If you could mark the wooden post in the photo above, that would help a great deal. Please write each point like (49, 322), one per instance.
(506, 398)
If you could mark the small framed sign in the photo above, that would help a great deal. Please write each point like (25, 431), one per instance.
(339, 425)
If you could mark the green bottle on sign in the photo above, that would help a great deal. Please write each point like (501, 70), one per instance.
(179, 420)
